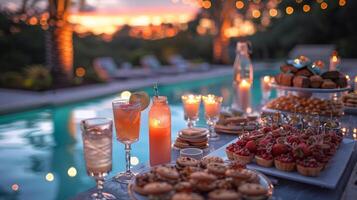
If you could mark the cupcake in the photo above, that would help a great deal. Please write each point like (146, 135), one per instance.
(309, 167)
(285, 162)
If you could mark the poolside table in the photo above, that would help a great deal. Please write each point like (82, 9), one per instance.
(283, 189)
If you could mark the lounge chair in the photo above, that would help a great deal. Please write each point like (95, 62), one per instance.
(107, 70)
(152, 63)
(181, 63)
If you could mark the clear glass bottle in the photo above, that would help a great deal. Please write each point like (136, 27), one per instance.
(160, 131)
(243, 68)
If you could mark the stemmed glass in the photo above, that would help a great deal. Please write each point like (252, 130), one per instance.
(212, 106)
(127, 125)
(97, 144)
(191, 106)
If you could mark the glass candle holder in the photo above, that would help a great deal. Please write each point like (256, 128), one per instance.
(212, 105)
(160, 131)
(191, 106)
(97, 144)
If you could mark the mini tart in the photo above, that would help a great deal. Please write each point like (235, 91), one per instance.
(309, 167)
(230, 154)
(243, 155)
(285, 162)
(264, 159)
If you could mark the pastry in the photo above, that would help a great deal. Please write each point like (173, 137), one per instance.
(158, 189)
(187, 162)
(264, 159)
(286, 79)
(301, 81)
(304, 72)
(167, 173)
(210, 159)
(328, 84)
(285, 162)
(330, 75)
(217, 169)
(315, 81)
(184, 186)
(203, 181)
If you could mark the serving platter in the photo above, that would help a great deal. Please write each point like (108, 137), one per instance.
(263, 180)
(328, 178)
(310, 90)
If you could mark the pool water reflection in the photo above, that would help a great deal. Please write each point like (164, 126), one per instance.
(41, 150)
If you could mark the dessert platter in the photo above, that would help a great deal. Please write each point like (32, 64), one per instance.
(350, 102)
(233, 122)
(301, 74)
(192, 138)
(308, 155)
(305, 105)
(209, 178)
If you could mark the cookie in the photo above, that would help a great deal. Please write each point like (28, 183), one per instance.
(202, 176)
(167, 173)
(186, 196)
(238, 174)
(210, 159)
(183, 187)
(253, 191)
(157, 188)
(187, 161)
(222, 194)
(216, 168)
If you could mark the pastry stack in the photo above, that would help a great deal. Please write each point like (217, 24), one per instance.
(350, 100)
(192, 137)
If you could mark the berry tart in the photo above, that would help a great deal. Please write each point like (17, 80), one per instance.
(285, 162)
(309, 167)
(264, 158)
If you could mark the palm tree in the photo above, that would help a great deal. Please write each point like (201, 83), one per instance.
(59, 46)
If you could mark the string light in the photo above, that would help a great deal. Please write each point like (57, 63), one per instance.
(72, 172)
(256, 13)
(289, 10)
(306, 8)
(240, 4)
(273, 12)
(323, 5)
(206, 4)
(342, 2)
(80, 72)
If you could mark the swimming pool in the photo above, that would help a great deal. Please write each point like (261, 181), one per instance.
(41, 150)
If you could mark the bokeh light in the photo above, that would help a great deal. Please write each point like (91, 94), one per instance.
(306, 8)
(342, 2)
(49, 177)
(206, 4)
(256, 13)
(125, 95)
(72, 172)
(289, 10)
(240, 4)
(80, 72)
(15, 187)
(323, 5)
(273, 12)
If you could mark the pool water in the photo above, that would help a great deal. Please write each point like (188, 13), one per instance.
(41, 152)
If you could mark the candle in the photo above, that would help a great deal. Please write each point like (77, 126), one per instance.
(160, 131)
(334, 61)
(212, 105)
(266, 84)
(355, 89)
(191, 105)
(244, 95)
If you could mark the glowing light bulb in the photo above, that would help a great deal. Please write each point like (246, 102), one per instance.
(49, 177)
(72, 172)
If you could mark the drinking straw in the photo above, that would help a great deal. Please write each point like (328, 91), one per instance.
(156, 90)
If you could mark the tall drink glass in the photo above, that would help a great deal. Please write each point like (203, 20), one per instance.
(97, 144)
(212, 106)
(127, 125)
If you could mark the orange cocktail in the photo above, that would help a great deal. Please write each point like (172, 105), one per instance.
(127, 121)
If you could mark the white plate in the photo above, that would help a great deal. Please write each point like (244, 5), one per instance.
(328, 178)
(263, 180)
(312, 90)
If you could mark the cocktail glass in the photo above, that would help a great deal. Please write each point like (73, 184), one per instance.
(191, 106)
(97, 144)
(212, 106)
(127, 125)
